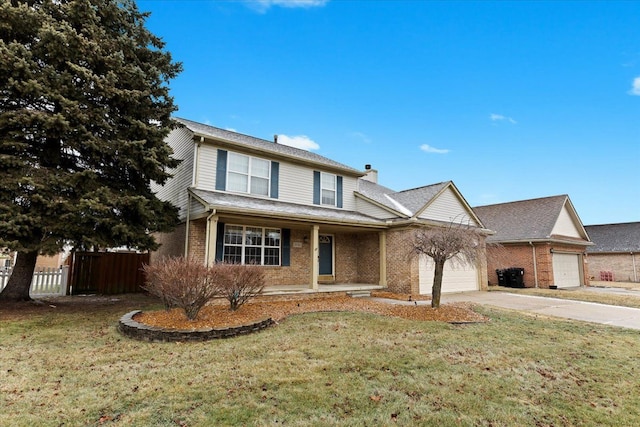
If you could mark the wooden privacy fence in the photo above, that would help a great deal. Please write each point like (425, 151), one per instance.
(107, 272)
(47, 281)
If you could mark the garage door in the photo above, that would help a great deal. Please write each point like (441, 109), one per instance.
(566, 270)
(457, 277)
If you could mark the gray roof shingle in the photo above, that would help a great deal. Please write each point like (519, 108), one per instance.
(407, 202)
(265, 145)
(623, 237)
(526, 219)
(276, 208)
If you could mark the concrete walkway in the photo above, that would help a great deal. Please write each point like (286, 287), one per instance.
(578, 310)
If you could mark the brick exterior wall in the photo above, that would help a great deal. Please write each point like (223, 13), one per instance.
(621, 265)
(171, 244)
(521, 256)
(197, 239)
(299, 273)
(368, 260)
(402, 265)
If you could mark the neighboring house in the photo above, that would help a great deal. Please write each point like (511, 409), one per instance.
(615, 255)
(543, 236)
(306, 219)
(8, 260)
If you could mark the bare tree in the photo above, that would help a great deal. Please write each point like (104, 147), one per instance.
(456, 242)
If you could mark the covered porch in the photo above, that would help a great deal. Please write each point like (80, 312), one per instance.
(322, 288)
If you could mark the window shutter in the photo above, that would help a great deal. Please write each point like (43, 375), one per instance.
(339, 191)
(316, 187)
(220, 242)
(286, 247)
(275, 176)
(221, 171)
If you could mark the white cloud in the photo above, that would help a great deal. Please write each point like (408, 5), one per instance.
(499, 117)
(429, 149)
(301, 141)
(635, 88)
(264, 5)
(361, 136)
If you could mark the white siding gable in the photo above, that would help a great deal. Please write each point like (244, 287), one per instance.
(370, 209)
(565, 225)
(175, 189)
(448, 207)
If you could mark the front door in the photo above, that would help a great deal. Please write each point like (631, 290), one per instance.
(325, 267)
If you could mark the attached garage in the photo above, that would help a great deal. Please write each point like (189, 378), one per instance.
(457, 276)
(566, 270)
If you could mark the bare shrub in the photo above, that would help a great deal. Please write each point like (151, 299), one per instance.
(238, 283)
(181, 282)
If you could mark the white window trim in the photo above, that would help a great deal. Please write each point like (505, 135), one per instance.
(334, 189)
(249, 175)
(262, 247)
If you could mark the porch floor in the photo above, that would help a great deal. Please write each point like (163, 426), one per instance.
(322, 288)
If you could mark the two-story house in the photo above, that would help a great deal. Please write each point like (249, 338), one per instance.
(305, 219)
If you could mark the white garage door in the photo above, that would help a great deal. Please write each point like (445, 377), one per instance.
(457, 277)
(566, 270)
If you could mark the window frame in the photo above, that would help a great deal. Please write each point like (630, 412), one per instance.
(250, 174)
(247, 245)
(334, 190)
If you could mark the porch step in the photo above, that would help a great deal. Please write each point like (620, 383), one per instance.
(359, 294)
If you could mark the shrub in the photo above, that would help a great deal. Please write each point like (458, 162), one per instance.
(238, 283)
(180, 282)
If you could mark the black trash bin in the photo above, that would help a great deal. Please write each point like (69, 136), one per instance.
(502, 277)
(515, 277)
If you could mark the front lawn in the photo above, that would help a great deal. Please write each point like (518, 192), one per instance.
(71, 367)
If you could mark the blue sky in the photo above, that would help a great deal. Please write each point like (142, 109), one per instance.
(509, 100)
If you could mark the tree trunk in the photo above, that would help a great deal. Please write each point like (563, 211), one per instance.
(436, 291)
(17, 288)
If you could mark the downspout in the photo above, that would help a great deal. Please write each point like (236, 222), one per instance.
(535, 264)
(186, 233)
(635, 271)
(194, 182)
(196, 163)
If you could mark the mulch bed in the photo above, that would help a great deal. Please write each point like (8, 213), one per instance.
(218, 315)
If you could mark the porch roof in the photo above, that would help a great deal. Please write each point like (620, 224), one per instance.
(251, 206)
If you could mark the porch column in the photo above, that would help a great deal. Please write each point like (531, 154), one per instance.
(212, 237)
(315, 255)
(383, 257)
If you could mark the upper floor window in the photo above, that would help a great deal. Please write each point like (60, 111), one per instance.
(246, 174)
(328, 189)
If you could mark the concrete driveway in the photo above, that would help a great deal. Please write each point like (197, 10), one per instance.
(586, 311)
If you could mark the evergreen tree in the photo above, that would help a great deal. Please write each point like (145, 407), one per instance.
(84, 110)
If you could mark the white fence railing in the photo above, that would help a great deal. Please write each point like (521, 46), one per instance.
(46, 281)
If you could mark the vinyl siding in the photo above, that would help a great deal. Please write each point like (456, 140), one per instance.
(296, 184)
(207, 158)
(175, 189)
(295, 181)
(370, 209)
(565, 226)
(447, 207)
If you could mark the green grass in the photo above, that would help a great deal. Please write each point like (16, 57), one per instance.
(319, 369)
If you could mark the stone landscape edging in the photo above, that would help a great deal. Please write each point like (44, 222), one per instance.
(129, 327)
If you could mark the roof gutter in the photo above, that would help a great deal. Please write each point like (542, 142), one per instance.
(297, 218)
